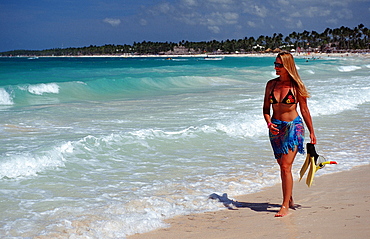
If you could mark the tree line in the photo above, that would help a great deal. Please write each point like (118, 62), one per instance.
(343, 39)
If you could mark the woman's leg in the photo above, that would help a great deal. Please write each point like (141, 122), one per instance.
(285, 164)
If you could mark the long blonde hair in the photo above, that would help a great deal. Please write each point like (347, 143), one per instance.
(289, 65)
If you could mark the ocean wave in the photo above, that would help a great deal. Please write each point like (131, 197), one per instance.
(30, 164)
(5, 98)
(107, 89)
(134, 143)
(342, 96)
(244, 126)
(310, 72)
(337, 104)
(236, 128)
(348, 68)
(41, 89)
(177, 59)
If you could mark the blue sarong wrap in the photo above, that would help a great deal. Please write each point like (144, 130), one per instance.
(291, 134)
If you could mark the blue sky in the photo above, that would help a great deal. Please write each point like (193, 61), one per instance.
(44, 24)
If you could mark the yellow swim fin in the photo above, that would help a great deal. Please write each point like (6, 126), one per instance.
(311, 172)
(304, 166)
(314, 163)
(311, 152)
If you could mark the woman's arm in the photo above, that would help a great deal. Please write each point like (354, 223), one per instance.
(307, 117)
(267, 107)
(267, 104)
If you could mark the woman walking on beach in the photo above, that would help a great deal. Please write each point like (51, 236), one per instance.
(286, 128)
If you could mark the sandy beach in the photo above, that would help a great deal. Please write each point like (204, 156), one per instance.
(336, 206)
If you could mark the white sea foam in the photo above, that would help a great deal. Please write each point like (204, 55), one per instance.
(310, 72)
(342, 97)
(41, 89)
(177, 59)
(337, 105)
(27, 164)
(348, 68)
(247, 126)
(5, 98)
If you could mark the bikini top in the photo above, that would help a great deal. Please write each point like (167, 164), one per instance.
(289, 99)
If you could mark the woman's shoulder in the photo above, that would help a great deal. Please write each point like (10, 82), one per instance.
(270, 85)
(272, 81)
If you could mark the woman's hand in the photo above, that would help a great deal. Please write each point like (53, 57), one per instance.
(313, 138)
(273, 129)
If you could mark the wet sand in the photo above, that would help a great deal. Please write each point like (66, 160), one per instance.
(336, 206)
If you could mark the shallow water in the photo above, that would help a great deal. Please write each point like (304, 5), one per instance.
(108, 147)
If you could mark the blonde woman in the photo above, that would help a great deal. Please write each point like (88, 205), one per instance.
(286, 130)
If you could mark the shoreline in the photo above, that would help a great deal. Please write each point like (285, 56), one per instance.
(336, 206)
(304, 55)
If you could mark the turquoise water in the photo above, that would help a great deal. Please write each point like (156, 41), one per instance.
(108, 147)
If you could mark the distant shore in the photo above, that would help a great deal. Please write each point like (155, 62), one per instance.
(305, 55)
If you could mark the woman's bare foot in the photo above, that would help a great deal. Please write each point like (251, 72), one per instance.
(283, 212)
(291, 203)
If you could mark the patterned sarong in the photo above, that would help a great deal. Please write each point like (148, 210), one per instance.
(291, 134)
